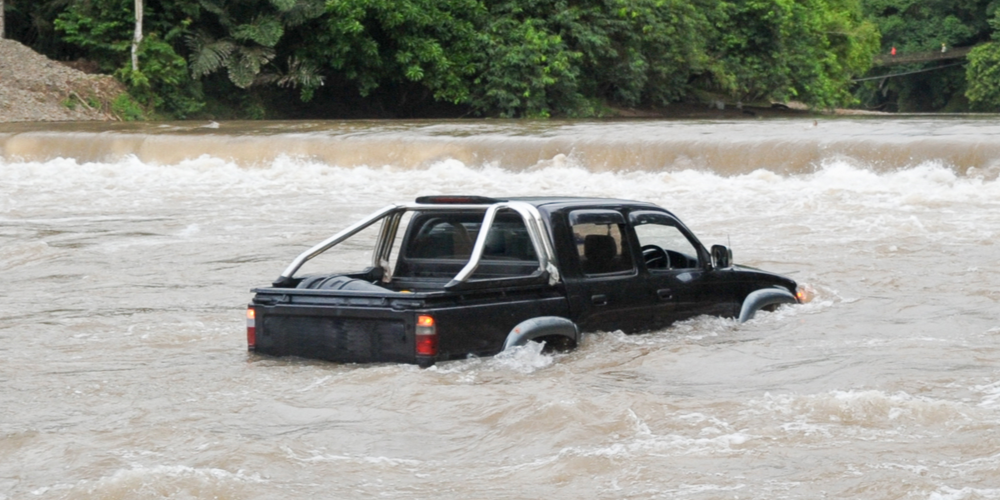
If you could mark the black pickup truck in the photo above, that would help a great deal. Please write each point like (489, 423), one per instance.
(453, 276)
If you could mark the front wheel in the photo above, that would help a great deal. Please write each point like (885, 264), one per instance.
(556, 343)
(763, 299)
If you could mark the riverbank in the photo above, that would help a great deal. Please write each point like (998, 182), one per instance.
(36, 88)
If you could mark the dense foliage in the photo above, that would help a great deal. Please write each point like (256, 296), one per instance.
(983, 71)
(102, 31)
(532, 58)
(919, 26)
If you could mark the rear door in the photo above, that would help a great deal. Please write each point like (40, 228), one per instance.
(603, 291)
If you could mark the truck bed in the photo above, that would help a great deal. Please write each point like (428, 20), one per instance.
(379, 326)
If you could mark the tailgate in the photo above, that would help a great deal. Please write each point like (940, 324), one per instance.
(344, 335)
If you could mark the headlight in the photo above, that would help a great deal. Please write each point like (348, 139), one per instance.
(804, 293)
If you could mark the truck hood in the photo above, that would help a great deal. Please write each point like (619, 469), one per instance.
(779, 279)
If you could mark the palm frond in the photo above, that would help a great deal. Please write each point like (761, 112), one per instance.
(219, 8)
(301, 74)
(208, 55)
(246, 63)
(265, 30)
(303, 11)
(212, 6)
(283, 5)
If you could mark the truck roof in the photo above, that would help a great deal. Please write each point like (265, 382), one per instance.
(550, 203)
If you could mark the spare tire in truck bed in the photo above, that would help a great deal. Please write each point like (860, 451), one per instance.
(339, 283)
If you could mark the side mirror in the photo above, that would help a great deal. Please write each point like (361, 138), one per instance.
(722, 257)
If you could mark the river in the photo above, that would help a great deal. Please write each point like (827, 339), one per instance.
(127, 253)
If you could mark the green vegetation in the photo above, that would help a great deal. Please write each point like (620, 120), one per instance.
(126, 109)
(983, 71)
(505, 58)
(919, 26)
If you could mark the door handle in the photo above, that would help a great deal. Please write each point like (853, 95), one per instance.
(599, 299)
(665, 294)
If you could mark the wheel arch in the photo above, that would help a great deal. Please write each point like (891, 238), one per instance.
(764, 297)
(540, 328)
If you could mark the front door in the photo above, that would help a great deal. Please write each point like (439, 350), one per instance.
(677, 281)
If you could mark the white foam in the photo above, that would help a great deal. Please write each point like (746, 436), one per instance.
(316, 457)
(991, 395)
(190, 231)
(647, 444)
(523, 359)
(161, 481)
(923, 185)
(948, 493)
(862, 408)
(527, 358)
(315, 384)
(671, 444)
(840, 204)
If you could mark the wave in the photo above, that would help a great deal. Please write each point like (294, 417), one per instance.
(966, 146)
(929, 184)
(161, 481)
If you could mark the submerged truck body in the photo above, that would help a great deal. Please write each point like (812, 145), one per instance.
(454, 276)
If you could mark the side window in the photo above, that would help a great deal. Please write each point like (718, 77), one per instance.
(663, 244)
(600, 242)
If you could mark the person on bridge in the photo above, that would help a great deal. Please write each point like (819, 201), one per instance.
(944, 48)
(893, 52)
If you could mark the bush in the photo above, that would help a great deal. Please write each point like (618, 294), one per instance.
(126, 109)
(983, 76)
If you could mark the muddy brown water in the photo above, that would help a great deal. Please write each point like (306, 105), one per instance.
(127, 254)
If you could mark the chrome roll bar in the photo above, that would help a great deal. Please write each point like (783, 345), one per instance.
(336, 239)
(532, 220)
(479, 247)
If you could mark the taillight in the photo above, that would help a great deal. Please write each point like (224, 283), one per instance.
(251, 328)
(427, 339)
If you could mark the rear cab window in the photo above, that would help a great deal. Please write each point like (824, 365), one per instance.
(438, 245)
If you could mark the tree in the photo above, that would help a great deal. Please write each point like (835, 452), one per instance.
(806, 50)
(983, 75)
(414, 49)
(641, 52)
(920, 26)
(983, 71)
(517, 58)
(30, 22)
(245, 41)
(105, 31)
(574, 58)
(137, 39)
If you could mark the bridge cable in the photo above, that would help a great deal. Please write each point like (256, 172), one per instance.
(907, 73)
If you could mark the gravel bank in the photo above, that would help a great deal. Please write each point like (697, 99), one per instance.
(35, 88)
